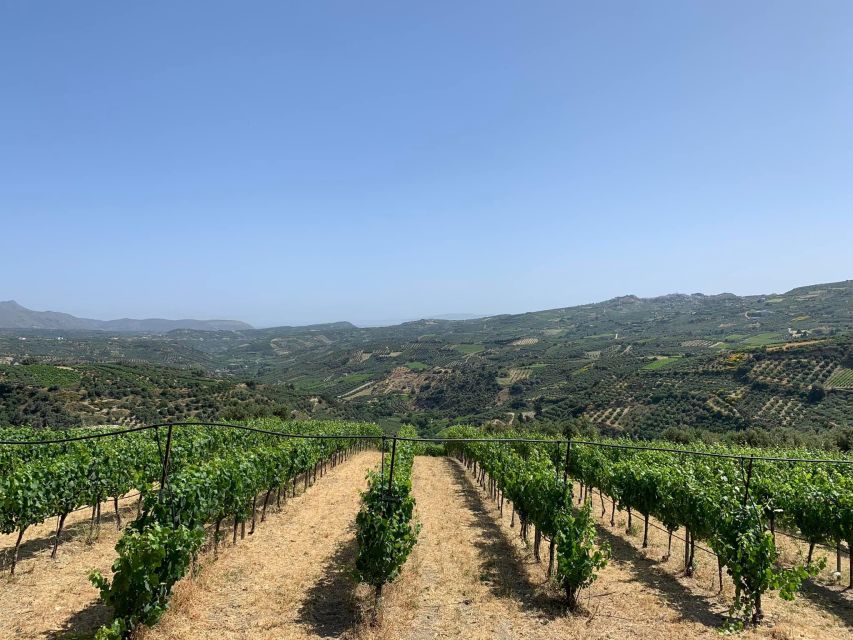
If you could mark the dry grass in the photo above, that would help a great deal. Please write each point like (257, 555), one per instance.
(291, 579)
(641, 595)
(473, 578)
(476, 581)
(469, 577)
(53, 598)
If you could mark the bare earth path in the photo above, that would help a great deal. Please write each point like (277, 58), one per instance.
(478, 583)
(470, 577)
(289, 580)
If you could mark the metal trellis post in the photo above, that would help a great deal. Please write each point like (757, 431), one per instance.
(393, 457)
(164, 478)
(748, 479)
(569, 488)
(382, 449)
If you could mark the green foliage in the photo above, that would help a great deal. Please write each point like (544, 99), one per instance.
(750, 557)
(157, 549)
(385, 532)
(705, 495)
(151, 559)
(529, 476)
(579, 557)
(54, 397)
(429, 449)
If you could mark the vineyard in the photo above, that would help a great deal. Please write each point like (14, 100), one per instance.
(199, 491)
(199, 477)
(841, 379)
(728, 499)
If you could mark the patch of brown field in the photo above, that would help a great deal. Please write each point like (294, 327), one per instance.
(291, 579)
(54, 598)
(471, 577)
(360, 390)
(788, 346)
(404, 380)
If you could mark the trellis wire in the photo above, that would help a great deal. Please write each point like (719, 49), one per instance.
(383, 438)
(315, 436)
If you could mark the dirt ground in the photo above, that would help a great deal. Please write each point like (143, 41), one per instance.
(469, 576)
(291, 579)
(54, 598)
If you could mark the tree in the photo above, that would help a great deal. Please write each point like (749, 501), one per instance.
(816, 394)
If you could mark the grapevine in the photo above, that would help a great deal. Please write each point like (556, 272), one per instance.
(385, 532)
(158, 548)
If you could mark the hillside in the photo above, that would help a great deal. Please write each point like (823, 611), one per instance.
(629, 365)
(43, 395)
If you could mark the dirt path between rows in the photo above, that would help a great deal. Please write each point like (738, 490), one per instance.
(291, 579)
(471, 577)
(477, 581)
(50, 598)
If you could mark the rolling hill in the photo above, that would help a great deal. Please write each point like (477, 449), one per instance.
(680, 364)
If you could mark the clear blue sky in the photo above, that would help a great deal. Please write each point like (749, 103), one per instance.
(295, 162)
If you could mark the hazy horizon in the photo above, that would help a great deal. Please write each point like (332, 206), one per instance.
(315, 162)
(381, 322)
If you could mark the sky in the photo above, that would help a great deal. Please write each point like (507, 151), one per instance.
(312, 161)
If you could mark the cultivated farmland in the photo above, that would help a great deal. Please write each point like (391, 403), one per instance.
(494, 537)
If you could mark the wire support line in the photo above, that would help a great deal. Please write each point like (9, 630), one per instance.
(314, 436)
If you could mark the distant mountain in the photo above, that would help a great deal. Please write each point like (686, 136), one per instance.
(458, 316)
(14, 316)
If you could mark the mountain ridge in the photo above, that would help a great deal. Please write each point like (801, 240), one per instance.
(15, 316)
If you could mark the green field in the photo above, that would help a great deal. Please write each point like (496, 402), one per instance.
(660, 363)
(42, 375)
(417, 366)
(468, 349)
(306, 383)
(355, 378)
(841, 379)
(762, 339)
